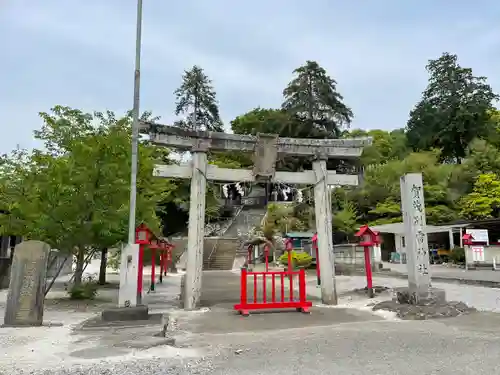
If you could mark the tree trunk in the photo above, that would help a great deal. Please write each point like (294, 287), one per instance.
(80, 262)
(102, 268)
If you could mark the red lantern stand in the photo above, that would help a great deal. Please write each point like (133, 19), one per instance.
(266, 256)
(168, 258)
(143, 236)
(165, 258)
(249, 255)
(153, 246)
(467, 240)
(368, 239)
(315, 247)
(163, 248)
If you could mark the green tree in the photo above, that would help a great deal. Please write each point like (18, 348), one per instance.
(484, 201)
(386, 145)
(313, 98)
(196, 99)
(75, 195)
(345, 220)
(378, 199)
(454, 109)
(260, 120)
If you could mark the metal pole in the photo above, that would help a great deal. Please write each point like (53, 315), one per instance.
(135, 126)
(135, 131)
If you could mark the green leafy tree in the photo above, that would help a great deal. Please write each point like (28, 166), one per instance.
(313, 98)
(379, 197)
(271, 121)
(484, 201)
(345, 220)
(386, 145)
(454, 109)
(75, 195)
(196, 99)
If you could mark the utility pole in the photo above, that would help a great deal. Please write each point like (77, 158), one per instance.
(135, 131)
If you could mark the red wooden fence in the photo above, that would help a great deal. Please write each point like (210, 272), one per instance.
(258, 289)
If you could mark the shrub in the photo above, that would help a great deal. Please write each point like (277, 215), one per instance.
(86, 290)
(457, 255)
(299, 259)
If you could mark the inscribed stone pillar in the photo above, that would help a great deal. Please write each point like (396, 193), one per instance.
(323, 211)
(26, 294)
(194, 266)
(417, 248)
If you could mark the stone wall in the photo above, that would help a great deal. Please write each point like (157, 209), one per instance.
(350, 258)
(56, 260)
(52, 267)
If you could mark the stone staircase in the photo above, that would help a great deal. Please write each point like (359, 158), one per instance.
(220, 256)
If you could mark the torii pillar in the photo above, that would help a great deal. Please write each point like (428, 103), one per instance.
(323, 213)
(196, 227)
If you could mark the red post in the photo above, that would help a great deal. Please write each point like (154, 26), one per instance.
(153, 269)
(243, 290)
(368, 269)
(302, 285)
(290, 267)
(266, 255)
(162, 264)
(249, 255)
(168, 257)
(318, 269)
(289, 246)
(140, 272)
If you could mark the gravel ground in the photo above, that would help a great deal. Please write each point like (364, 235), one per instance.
(371, 348)
(388, 346)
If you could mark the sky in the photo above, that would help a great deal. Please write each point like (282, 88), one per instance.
(80, 53)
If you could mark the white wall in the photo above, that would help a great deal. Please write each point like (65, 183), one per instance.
(398, 243)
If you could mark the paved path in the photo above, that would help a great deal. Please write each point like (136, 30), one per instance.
(443, 273)
(484, 299)
(344, 340)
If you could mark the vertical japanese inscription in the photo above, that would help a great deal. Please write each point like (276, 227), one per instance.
(26, 289)
(418, 219)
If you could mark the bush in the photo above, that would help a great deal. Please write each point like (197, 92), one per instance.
(299, 259)
(457, 255)
(86, 290)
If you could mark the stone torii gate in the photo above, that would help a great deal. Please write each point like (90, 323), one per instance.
(266, 149)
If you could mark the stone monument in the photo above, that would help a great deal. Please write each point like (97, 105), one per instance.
(417, 248)
(26, 294)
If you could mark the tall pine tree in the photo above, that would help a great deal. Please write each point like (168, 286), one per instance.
(196, 100)
(312, 96)
(454, 109)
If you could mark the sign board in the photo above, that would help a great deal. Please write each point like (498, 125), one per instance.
(479, 235)
(477, 253)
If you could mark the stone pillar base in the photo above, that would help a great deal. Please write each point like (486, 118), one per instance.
(139, 312)
(432, 297)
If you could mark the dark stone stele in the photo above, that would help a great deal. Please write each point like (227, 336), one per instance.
(25, 299)
(139, 312)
